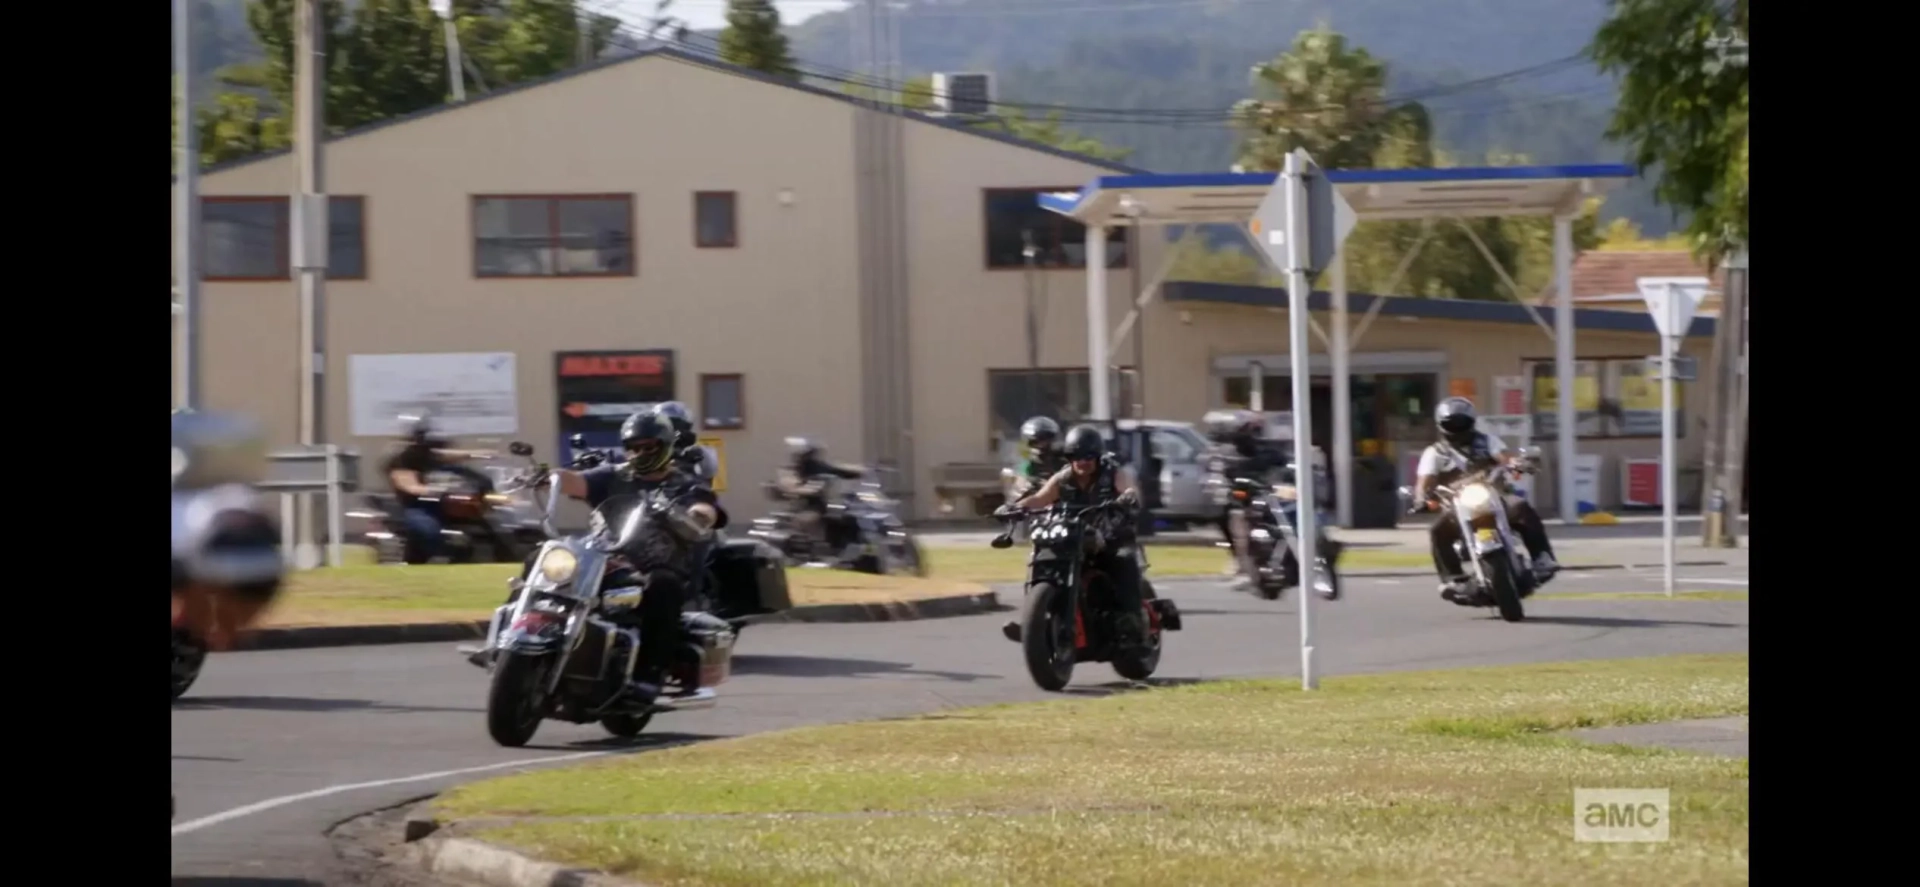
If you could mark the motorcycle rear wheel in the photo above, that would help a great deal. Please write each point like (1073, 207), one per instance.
(1506, 592)
(1048, 661)
(1140, 665)
(515, 703)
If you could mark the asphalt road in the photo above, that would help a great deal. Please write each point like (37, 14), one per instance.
(270, 749)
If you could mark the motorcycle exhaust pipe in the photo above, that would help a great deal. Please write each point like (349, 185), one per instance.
(702, 698)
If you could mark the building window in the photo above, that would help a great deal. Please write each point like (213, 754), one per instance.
(1063, 395)
(715, 220)
(1613, 397)
(553, 236)
(723, 401)
(250, 238)
(1058, 242)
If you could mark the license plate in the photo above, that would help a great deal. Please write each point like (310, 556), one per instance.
(1483, 535)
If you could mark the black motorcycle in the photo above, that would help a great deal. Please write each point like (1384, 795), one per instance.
(556, 653)
(189, 654)
(863, 529)
(1274, 543)
(1068, 614)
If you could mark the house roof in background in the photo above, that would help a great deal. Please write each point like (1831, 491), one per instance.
(1598, 273)
(700, 61)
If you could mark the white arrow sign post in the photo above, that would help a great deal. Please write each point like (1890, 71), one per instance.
(1300, 225)
(1672, 302)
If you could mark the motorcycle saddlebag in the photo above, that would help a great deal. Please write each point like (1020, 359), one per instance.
(751, 577)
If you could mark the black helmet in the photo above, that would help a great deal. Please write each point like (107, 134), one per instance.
(677, 414)
(1455, 418)
(1084, 442)
(648, 439)
(1039, 432)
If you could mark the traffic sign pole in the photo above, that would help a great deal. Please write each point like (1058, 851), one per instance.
(1299, 289)
(1671, 301)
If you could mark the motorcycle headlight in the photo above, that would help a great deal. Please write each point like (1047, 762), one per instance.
(558, 566)
(1477, 499)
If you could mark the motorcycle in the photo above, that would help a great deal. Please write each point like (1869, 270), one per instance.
(555, 654)
(1272, 534)
(1499, 569)
(881, 543)
(189, 654)
(1067, 616)
(478, 525)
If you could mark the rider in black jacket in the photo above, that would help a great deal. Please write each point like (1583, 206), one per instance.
(1247, 458)
(1094, 477)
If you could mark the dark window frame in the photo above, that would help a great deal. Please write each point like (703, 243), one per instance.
(1058, 227)
(732, 240)
(283, 237)
(553, 235)
(740, 391)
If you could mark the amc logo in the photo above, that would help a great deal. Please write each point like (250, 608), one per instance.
(1620, 815)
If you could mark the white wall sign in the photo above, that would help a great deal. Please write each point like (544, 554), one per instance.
(467, 393)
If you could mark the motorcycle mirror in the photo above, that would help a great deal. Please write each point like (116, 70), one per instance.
(553, 504)
(520, 448)
(577, 441)
(1529, 452)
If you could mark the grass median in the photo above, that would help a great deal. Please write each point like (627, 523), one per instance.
(1414, 778)
(1716, 594)
(363, 593)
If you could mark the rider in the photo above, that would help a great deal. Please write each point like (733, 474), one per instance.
(1095, 477)
(688, 454)
(806, 479)
(666, 561)
(1462, 449)
(423, 451)
(1043, 457)
(1247, 457)
(226, 549)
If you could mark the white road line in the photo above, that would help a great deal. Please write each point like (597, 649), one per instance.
(271, 803)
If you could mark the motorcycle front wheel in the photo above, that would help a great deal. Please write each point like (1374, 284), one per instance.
(1506, 592)
(516, 698)
(188, 658)
(1049, 655)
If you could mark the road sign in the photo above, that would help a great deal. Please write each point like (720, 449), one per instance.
(1672, 301)
(1330, 218)
(1685, 369)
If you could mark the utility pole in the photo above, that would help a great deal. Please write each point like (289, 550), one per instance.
(186, 215)
(309, 236)
(444, 9)
(1725, 449)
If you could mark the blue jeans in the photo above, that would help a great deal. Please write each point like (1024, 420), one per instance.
(422, 524)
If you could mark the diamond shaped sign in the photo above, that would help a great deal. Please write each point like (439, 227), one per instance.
(1672, 301)
(1329, 218)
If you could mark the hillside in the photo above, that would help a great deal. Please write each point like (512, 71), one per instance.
(1193, 54)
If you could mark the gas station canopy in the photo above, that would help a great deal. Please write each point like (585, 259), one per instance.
(1411, 194)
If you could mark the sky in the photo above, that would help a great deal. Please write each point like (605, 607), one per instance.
(712, 13)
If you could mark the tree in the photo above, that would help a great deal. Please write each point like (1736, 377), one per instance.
(752, 39)
(1683, 108)
(1330, 98)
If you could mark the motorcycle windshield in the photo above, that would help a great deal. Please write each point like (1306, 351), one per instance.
(606, 521)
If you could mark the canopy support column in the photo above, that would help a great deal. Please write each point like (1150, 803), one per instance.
(1098, 365)
(1393, 280)
(1342, 396)
(1567, 429)
(1140, 301)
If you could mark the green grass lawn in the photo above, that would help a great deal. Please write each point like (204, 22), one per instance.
(1718, 594)
(364, 593)
(1449, 777)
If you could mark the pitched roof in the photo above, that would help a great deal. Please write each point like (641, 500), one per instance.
(1615, 272)
(704, 62)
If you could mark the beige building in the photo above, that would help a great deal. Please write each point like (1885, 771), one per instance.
(529, 262)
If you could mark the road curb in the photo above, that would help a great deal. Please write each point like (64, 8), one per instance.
(481, 863)
(434, 632)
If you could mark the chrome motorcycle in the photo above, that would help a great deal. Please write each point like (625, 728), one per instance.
(1499, 569)
(554, 652)
(880, 542)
